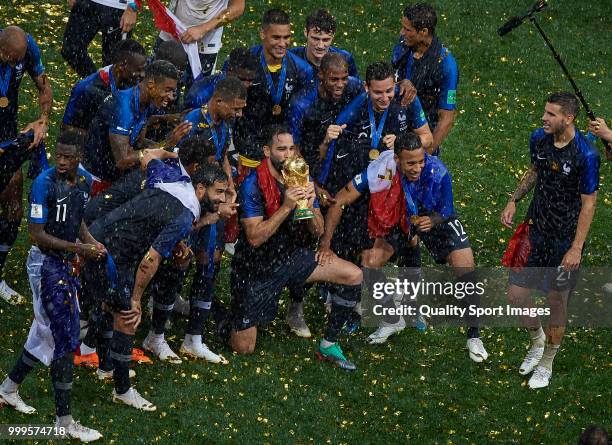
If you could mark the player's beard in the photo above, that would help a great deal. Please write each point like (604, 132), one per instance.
(278, 165)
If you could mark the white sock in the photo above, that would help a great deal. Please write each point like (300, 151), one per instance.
(9, 386)
(549, 355)
(86, 349)
(538, 337)
(64, 420)
(156, 337)
(327, 344)
(193, 339)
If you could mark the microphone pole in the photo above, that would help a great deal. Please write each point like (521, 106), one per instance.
(557, 57)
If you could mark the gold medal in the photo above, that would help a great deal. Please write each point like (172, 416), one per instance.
(276, 110)
(374, 154)
(414, 219)
(4, 102)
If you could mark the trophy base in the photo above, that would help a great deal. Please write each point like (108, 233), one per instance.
(301, 214)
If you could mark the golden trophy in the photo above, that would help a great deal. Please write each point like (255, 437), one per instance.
(295, 174)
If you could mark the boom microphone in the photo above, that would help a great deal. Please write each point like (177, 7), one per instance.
(516, 21)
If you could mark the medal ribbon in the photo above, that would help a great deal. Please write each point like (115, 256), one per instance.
(376, 131)
(411, 207)
(278, 94)
(218, 144)
(111, 80)
(5, 78)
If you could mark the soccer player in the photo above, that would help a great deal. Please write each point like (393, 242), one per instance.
(280, 75)
(112, 18)
(365, 127)
(310, 112)
(138, 235)
(241, 64)
(57, 203)
(18, 54)
(320, 104)
(410, 194)
(268, 259)
(116, 134)
(215, 119)
(319, 31)
(88, 94)
(427, 69)
(564, 174)
(207, 244)
(205, 20)
(194, 152)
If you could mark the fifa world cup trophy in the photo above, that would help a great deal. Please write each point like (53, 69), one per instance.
(295, 174)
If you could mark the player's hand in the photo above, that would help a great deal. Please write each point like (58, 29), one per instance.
(178, 133)
(71, 3)
(423, 224)
(507, 216)
(128, 20)
(292, 196)
(389, 140)
(148, 154)
(324, 255)
(230, 194)
(195, 33)
(91, 251)
(310, 194)
(40, 129)
(325, 198)
(132, 316)
(599, 128)
(571, 259)
(407, 91)
(228, 209)
(333, 132)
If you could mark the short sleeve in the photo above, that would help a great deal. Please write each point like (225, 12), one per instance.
(360, 182)
(38, 200)
(417, 115)
(251, 202)
(34, 64)
(589, 176)
(445, 205)
(174, 232)
(447, 99)
(533, 143)
(121, 118)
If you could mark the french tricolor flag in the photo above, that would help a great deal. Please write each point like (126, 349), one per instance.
(168, 22)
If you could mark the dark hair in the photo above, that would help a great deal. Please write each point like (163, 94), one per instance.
(160, 70)
(230, 88)
(379, 71)
(334, 60)
(71, 138)
(242, 58)
(422, 15)
(196, 148)
(594, 435)
(568, 102)
(407, 141)
(173, 52)
(274, 130)
(126, 49)
(275, 17)
(208, 174)
(321, 20)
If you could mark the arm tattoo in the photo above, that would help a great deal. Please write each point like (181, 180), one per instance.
(526, 184)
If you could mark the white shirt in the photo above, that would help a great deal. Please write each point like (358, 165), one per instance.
(196, 12)
(117, 4)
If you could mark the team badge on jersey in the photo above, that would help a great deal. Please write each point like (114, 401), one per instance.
(36, 211)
